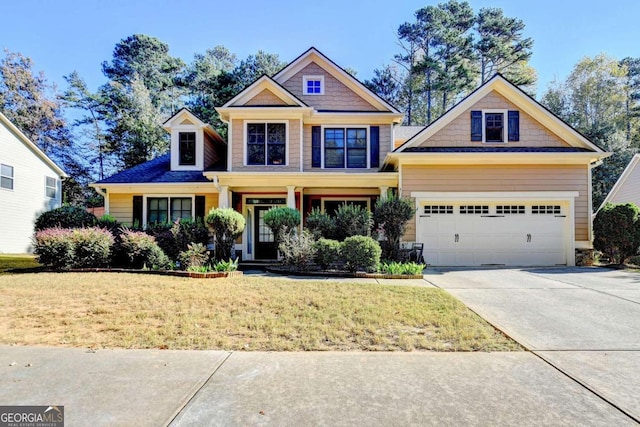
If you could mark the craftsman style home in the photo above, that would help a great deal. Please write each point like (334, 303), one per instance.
(30, 183)
(497, 180)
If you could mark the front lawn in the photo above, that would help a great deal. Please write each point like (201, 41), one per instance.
(111, 310)
(9, 262)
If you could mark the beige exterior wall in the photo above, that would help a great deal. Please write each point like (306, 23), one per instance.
(458, 132)
(336, 96)
(516, 178)
(629, 192)
(266, 97)
(385, 143)
(121, 207)
(238, 152)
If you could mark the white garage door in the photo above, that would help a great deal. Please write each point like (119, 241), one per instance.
(514, 234)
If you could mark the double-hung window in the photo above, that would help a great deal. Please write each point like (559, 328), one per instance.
(187, 148)
(345, 147)
(266, 143)
(6, 177)
(162, 209)
(51, 187)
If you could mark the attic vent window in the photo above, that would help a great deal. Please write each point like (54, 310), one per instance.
(313, 85)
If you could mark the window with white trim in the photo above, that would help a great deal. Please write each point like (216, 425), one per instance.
(313, 85)
(345, 147)
(495, 126)
(266, 143)
(6, 177)
(51, 187)
(187, 148)
(161, 210)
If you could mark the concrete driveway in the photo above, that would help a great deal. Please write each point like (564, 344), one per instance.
(583, 321)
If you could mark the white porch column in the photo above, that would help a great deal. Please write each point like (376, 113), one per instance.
(223, 198)
(383, 192)
(291, 196)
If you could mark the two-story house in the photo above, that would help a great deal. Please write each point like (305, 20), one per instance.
(30, 183)
(496, 180)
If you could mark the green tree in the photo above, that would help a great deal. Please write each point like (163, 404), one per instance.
(392, 215)
(29, 101)
(226, 225)
(281, 220)
(617, 231)
(252, 68)
(501, 45)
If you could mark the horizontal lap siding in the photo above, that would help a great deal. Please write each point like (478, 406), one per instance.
(630, 191)
(458, 132)
(121, 207)
(518, 178)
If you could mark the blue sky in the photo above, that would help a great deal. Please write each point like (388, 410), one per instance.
(66, 35)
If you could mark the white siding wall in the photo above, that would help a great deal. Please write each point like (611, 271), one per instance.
(20, 207)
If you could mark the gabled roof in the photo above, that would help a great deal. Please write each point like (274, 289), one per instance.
(314, 55)
(620, 183)
(518, 97)
(185, 114)
(33, 147)
(262, 83)
(157, 170)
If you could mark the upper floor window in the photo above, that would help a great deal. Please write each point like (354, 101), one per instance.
(266, 143)
(6, 177)
(345, 147)
(313, 85)
(495, 125)
(51, 187)
(187, 148)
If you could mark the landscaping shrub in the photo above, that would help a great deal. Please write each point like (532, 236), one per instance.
(616, 231)
(361, 253)
(108, 222)
(327, 253)
(230, 265)
(226, 225)
(141, 250)
(320, 224)
(62, 248)
(394, 267)
(174, 238)
(281, 220)
(391, 216)
(195, 256)
(352, 220)
(297, 249)
(65, 217)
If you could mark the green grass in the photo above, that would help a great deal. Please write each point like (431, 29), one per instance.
(9, 262)
(110, 310)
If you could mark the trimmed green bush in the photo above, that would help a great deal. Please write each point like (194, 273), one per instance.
(226, 225)
(391, 216)
(352, 220)
(281, 220)
(320, 224)
(394, 267)
(297, 249)
(63, 249)
(327, 253)
(142, 251)
(616, 230)
(65, 217)
(361, 253)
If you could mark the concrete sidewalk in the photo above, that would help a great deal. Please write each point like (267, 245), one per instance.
(159, 387)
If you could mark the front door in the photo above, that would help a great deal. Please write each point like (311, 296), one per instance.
(265, 241)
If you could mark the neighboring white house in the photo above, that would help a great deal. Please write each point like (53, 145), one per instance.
(30, 183)
(627, 188)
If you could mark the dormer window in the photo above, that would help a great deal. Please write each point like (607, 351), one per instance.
(187, 148)
(495, 126)
(313, 85)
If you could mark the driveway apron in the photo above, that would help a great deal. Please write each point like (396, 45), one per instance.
(583, 321)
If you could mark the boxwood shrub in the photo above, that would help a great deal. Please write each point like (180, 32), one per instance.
(361, 253)
(327, 253)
